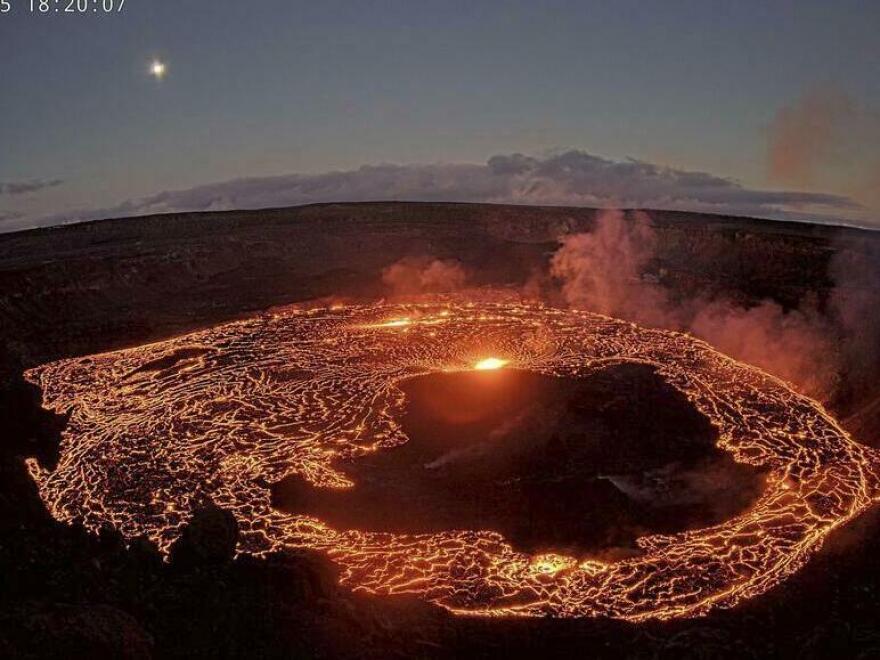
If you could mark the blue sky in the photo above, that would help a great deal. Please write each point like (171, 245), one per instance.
(279, 87)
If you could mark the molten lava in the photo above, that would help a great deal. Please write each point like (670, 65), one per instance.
(490, 364)
(222, 414)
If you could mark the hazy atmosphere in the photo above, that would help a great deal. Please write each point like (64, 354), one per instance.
(745, 108)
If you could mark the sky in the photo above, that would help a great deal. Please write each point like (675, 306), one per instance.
(753, 107)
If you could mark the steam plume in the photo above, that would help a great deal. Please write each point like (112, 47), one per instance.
(806, 134)
(602, 270)
(605, 271)
(853, 304)
(425, 274)
(827, 136)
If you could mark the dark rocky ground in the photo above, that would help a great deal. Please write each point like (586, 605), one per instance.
(93, 286)
(75, 290)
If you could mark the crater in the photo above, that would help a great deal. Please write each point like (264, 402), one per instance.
(559, 464)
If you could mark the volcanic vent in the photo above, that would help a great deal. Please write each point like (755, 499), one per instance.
(230, 413)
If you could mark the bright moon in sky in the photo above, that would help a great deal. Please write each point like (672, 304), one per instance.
(157, 69)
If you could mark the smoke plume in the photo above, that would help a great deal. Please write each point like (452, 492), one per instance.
(854, 307)
(827, 137)
(425, 274)
(602, 270)
(795, 345)
(806, 134)
(605, 271)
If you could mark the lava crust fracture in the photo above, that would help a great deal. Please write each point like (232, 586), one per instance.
(222, 414)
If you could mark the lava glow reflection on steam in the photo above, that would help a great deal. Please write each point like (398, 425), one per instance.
(221, 414)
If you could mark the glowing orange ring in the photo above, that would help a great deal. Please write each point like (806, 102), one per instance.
(223, 412)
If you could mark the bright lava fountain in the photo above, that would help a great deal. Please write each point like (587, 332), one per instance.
(222, 414)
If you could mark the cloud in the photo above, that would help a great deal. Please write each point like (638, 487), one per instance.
(572, 177)
(577, 177)
(9, 217)
(27, 187)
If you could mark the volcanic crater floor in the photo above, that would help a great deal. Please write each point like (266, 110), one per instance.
(553, 463)
(547, 491)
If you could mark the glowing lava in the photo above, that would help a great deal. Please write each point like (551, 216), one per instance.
(490, 364)
(394, 323)
(223, 413)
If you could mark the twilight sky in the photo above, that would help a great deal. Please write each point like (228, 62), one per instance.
(765, 108)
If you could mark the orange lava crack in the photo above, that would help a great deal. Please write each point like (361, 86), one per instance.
(220, 414)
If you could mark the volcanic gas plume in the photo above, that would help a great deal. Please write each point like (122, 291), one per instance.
(222, 414)
(606, 271)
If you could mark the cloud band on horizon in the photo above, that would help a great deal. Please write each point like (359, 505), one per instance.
(569, 178)
(27, 187)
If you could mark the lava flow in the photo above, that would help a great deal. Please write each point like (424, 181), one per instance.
(223, 414)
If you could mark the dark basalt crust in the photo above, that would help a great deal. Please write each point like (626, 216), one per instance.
(579, 466)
